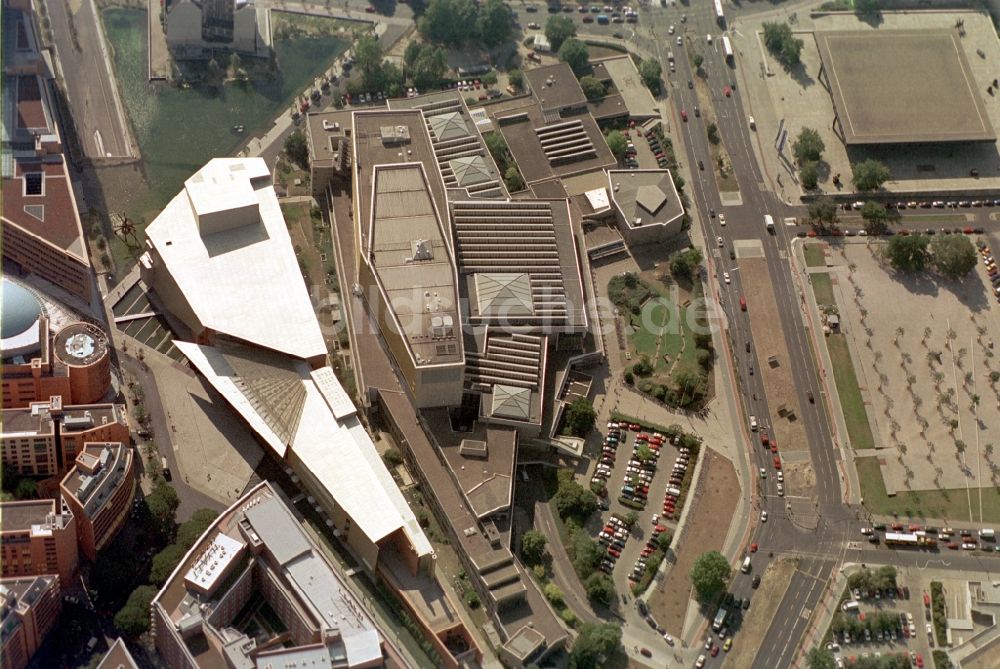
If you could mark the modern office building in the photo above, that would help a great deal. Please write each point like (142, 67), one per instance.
(45, 438)
(73, 363)
(221, 263)
(36, 538)
(98, 491)
(408, 273)
(29, 609)
(40, 228)
(257, 550)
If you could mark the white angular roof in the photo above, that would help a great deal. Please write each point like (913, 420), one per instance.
(338, 452)
(224, 242)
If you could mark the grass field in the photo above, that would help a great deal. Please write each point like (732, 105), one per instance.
(822, 288)
(858, 429)
(959, 504)
(815, 256)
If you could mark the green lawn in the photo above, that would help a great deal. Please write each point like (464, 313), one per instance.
(662, 318)
(858, 429)
(943, 504)
(822, 288)
(815, 256)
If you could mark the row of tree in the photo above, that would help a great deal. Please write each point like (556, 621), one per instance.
(953, 256)
(807, 149)
(460, 22)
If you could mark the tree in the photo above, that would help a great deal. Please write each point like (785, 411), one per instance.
(953, 255)
(165, 562)
(190, 530)
(558, 29)
(782, 44)
(368, 54)
(713, 133)
(573, 500)
(494, 23)
(867, 6)
(448, 22)
(698, 60)
(808, 146)
(685, 264)
(820, 658)
(869, 174)
(553, 594)
(412, 52)
(533, 547)
(644, 453)
(690, 381)
(428, 66)
(592, 87)
(516, 78)
(235, 63)
(907, 253)
(600, 588)
(594, 645)
(809, 175)
(162, 503)
(297, 149)
(876, 217)
(133, 618)
(498, 148)
(650, 71)
(580, 416)
(823, 211)
(709, 575)
(616, 141)
(587, 554)
(574, 53)
(663, 541)
(393, 458)
(513, 179)
(214, 71)
(26, 489)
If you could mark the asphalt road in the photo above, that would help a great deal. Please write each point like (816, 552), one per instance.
(89, 80)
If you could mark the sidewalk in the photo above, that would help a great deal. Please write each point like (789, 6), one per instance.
(848, 473)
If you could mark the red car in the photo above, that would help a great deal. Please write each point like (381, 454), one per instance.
(953, 546)
(635, 427)
(715, 650)
(728, 91)
(897, 527)
(588, 19)
(615, 552)
(774, 447)
(753, 547)
(915, 528)
(919, 660)
(764, 439)
(369, 9)
(684, 116)
(777, 462)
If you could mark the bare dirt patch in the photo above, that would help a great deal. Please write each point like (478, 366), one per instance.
(713, 500)
(766, 600)
(769, 340)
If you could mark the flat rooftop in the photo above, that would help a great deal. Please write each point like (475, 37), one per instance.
(111, 461)
(888, 87)
(404, 219)
(645, 197)
(555, 87)
(545, 147)
(27, 421)
(633, 93)
(20, 516)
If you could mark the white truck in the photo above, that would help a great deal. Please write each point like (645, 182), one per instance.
(769, 222)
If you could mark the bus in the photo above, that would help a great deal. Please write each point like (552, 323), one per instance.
(910, 540)
(719, 16)
(727, 49)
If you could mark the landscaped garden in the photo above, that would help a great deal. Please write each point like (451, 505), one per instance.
(669, 345)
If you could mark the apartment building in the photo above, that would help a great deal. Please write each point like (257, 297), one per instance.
(99, 491)
(29, 609)
(36, 538)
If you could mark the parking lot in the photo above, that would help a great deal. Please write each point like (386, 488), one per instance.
(587, 18)
(881, 614)
(642, 472)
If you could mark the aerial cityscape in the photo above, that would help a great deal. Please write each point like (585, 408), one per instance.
(341, 334)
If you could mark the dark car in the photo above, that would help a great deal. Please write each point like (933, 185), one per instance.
(755, 582)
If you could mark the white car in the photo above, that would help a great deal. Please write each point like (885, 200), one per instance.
(679, 41)
(700, 662)
(669, 639)
(722, 219)
(708, 38)
(763, 516)
(725, 277)
(781, 490)
(671, 30)
(781, 476)
(718, 240)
